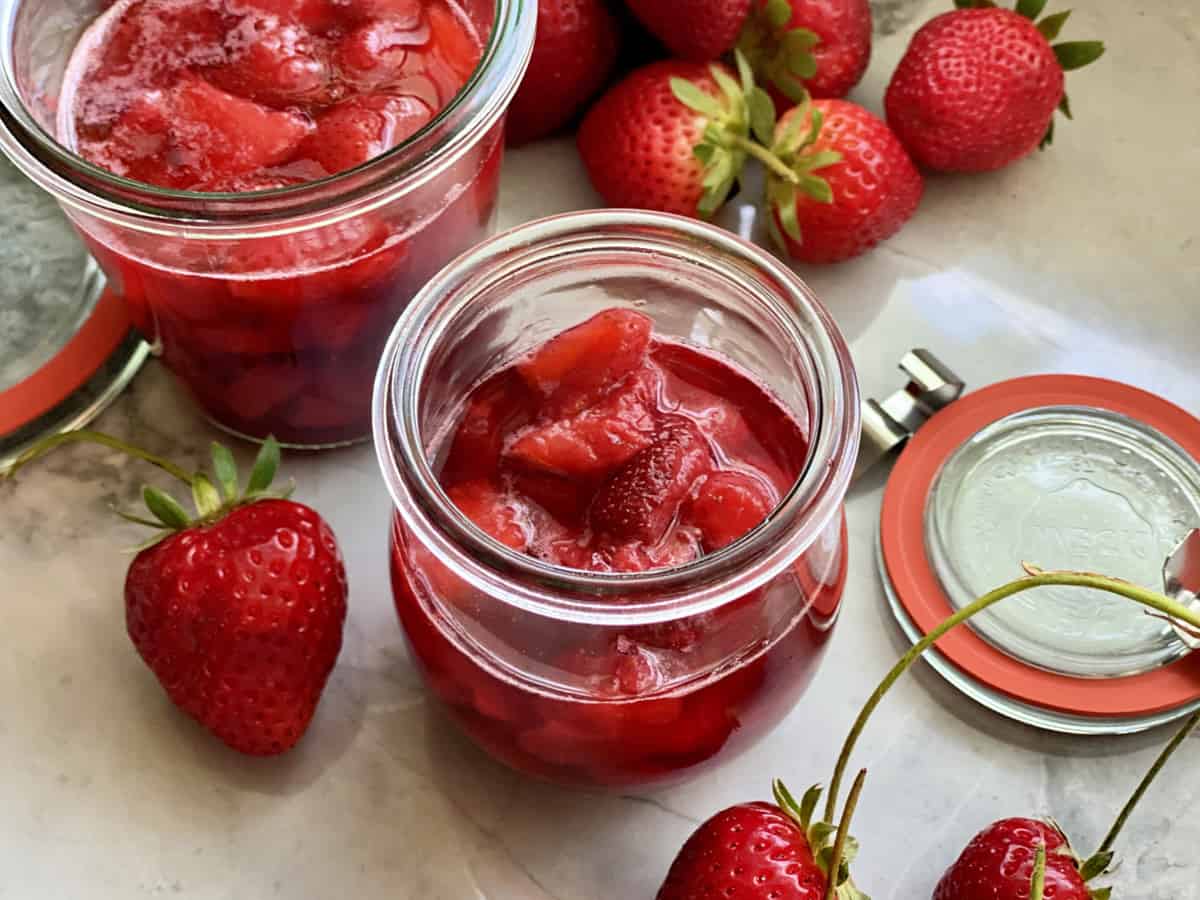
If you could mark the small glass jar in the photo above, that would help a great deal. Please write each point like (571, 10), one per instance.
(531, 658)
(272, 306)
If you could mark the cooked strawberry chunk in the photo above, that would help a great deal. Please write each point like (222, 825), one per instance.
(494, 409)
(451, 42)
(642, 498)
(595, 441)
(316, 15)
(678, 548)
(403, 12)
(363, 127)
(377, 53)
(492, 510)
(575, 368)
(564, 498)
(728, 505)
(273, 61)
(214, 132)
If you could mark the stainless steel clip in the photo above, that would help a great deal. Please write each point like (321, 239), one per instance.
(886, 426)
(1181, 578)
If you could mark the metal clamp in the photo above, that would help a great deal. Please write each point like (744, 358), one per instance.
(887, 426)
(1181, 578)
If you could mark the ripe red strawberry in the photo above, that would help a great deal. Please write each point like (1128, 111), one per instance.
(573, 55)
(867, 187)
(977, 88)
(696, 30)
(822, 46)
(672, 136)
(761, 851)
(998, 864)
(237, 612)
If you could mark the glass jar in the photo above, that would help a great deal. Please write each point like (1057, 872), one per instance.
(531, 658)
(272, 306)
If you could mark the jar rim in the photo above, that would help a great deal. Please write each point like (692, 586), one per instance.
(593, 597)
(457, 127)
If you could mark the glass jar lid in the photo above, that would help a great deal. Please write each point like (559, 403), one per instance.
(66, 345)
(1063, 472)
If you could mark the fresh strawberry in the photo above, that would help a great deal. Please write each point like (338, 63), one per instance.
(672, 136)
(239, 611)
(577, 367)
(867, 187)
(977, 88)
(362, 127)
(643, 496)
(998, 863)
(696, 30)
(573, 55)
(818, 46)
(759, 851)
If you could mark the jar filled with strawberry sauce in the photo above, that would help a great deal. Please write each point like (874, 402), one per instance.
(266, 183)
(618, 445)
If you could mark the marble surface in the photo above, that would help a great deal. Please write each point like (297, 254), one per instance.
(1084, 259)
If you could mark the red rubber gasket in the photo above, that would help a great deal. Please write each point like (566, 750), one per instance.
(70, 368)
(902, 535)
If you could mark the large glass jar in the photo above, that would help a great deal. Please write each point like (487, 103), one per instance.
(272, 306)
(528, 655)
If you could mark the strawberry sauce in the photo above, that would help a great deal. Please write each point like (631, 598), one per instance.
(276, 334)
(611, 449)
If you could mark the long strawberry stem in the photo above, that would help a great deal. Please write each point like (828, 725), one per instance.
(1113, 833)
(1037, 888)
(843, 834)
(95, 437)
(766, 157)
(1036, 578)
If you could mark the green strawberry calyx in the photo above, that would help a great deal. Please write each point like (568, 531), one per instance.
(1070, 54)
(214, 497)
(796, 177)
(781, 55)
(832, 846)
(734, 117)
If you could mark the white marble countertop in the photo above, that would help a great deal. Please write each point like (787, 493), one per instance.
(1083, 259)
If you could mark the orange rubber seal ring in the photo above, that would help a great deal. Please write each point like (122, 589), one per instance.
(902, 535)
(70, 368)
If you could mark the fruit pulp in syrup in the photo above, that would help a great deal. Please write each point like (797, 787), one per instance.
(276, 334)
(612, 449)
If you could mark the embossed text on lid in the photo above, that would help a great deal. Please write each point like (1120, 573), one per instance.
(1067, 487)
